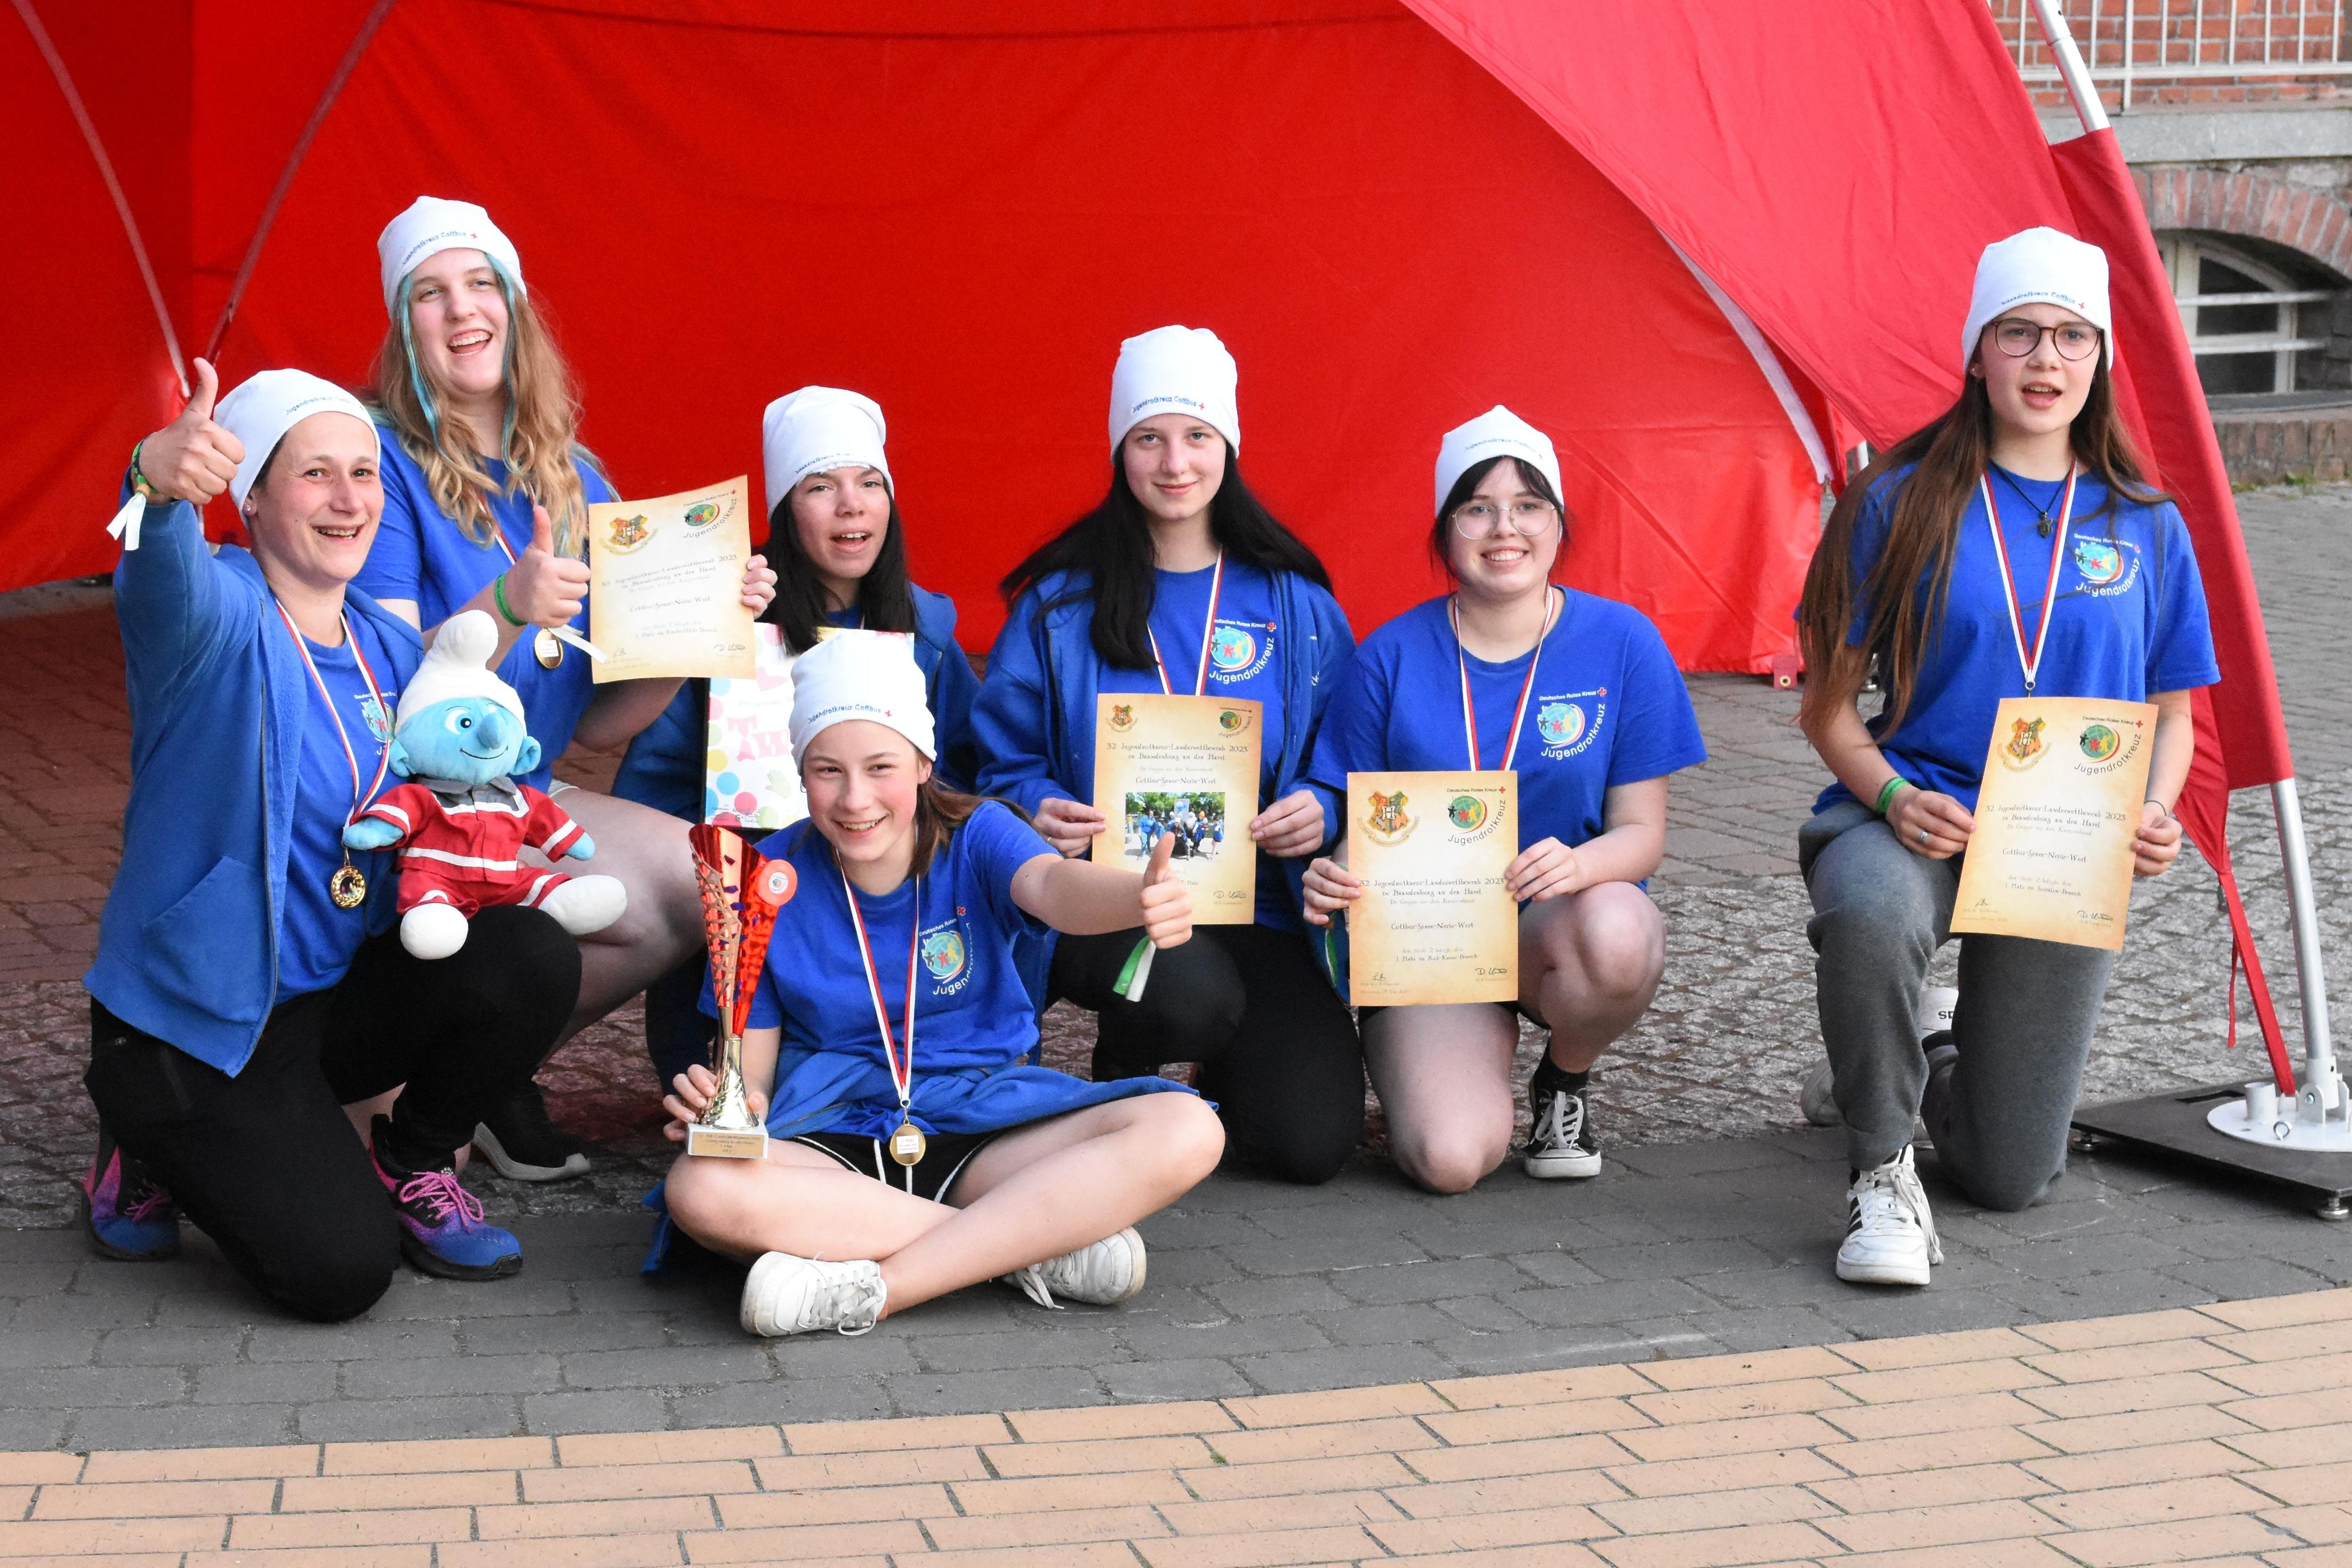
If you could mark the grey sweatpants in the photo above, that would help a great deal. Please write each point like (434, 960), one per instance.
(1999, 1118)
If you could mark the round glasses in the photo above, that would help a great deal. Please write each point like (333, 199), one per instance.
(2017, 337)
(1482, 519)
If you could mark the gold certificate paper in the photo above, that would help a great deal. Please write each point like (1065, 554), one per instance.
(2052, 854)
(1436, 922)
(666, 584)
(1184, 767)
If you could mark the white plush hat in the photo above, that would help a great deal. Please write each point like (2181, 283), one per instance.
(816, 430)
(458, 665)
(1497, 433)
(860, 675)
(432, 225)
(2039, 266)
(267, 404)
(1175, 370)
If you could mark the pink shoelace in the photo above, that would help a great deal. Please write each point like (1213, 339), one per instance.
(441, 1190)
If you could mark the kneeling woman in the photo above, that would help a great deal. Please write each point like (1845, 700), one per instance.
(249, 982)
(2010, 546)
(1581, 697)
(1025, 1174)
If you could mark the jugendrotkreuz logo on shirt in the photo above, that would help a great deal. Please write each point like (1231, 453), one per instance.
(1237, 650)
(944, 954)
(1566, 722)
(2109, 566)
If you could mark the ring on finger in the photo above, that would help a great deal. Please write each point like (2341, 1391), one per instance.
(1923, 835)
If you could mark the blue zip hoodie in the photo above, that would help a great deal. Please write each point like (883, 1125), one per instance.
(1034, 721)
(187, 945)
(664, 768)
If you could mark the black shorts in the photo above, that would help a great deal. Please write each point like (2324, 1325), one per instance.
(945, 1154)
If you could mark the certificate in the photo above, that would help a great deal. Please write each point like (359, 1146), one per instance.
(666, 584)
(1181, 767)
(1436, 923)
(2052, 854)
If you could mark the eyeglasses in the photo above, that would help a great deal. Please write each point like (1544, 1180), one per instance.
(2017, 337)
(1481, 519)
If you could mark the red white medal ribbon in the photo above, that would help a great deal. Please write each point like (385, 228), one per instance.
(360, 796)
(2030, 659)
(1519, 714)
(901, 1079)
(1208, 636)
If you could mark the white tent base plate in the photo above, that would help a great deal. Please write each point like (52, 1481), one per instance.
(2332, 1135)
(2180, 1124)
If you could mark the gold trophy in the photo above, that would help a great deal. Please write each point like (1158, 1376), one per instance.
(741, 891)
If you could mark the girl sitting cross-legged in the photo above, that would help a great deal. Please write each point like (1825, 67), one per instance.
(1021, 1173)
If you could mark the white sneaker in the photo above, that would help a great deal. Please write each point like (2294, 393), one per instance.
(788, 1294)
(1890, 1236)
(1818, 1099)
(1101, 1274)
(1560, 1145)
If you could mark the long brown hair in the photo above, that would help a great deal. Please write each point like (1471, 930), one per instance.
(538, 443)
(1908, 585)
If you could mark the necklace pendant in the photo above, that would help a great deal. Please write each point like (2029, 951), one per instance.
(347, 887)
(906, 1144)
(2042, 528)
(548, 649)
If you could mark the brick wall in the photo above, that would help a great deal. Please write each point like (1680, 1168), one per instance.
(2172, 45)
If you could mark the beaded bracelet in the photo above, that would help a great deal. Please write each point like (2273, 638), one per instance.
(1886, 792)
(139, 481)
(499, 593)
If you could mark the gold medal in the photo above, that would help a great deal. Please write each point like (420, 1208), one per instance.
(347, 887)
(548, 649)
(906, 1144)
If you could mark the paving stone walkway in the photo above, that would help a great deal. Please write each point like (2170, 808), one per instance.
(2220, 1435)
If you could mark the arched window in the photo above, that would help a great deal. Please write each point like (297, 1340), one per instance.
(2249, 322)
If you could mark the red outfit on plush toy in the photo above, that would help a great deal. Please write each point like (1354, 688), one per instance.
(461, 847)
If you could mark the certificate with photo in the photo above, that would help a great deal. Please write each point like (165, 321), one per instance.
(666, 584)
(1184, 768)
(1436, 922)
(2050, 857)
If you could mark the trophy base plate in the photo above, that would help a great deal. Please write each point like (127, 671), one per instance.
(727, 1143)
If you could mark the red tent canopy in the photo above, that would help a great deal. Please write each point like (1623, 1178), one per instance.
(1397, 214)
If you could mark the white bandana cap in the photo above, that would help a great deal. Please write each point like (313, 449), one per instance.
(860, 675)
(1175, 370)
(432, 225)
(458, 665)
(2039, 266)
(1497, 433)
(267, 404)
(816, 430)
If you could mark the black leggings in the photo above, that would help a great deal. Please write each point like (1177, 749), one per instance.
(265, 1163)
(1278, 1052)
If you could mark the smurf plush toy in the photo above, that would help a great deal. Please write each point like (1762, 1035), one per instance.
(463, 820)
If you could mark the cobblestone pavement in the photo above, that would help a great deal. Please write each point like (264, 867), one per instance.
(2218, 1435)
(1710, 1232)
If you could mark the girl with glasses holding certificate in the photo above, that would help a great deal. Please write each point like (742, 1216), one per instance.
(2010, 544)
(1578, 696)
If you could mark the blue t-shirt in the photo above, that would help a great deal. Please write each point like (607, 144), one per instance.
(972, 1011)
(2130, 620)
(317, 939)
(1608, 706)
(421, 554)
(1243, 663)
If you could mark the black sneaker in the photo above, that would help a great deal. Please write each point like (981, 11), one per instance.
(518, 1138)
(1560, 1145)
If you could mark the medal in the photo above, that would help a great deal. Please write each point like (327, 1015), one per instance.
(1520, 715)
(906, 1144)
(1208, 636)
(2030, 660)
(548, 649)
(346, 886)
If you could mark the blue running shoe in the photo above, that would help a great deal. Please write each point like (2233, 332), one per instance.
(124, 1213)
(443, 1230)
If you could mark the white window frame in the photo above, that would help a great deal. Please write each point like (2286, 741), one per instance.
(2183, 252)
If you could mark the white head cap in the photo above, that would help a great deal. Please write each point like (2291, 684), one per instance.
(432, 225)
(816, 430)
(2039, 266)
(1497, 433)
(269, 404)
(458, 665)
(860, 675)
(1175, 370)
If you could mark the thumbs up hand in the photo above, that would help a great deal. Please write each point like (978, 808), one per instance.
(1167, 901)
(191, 458)
(545, 588)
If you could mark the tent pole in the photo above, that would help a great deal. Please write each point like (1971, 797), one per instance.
(2322, 1088)
(2080, 88)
